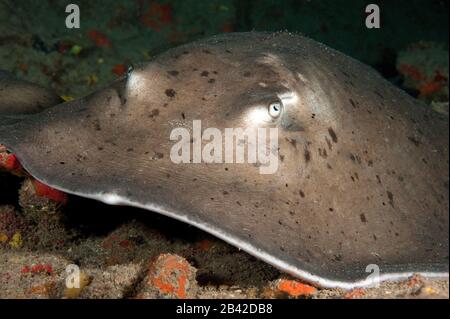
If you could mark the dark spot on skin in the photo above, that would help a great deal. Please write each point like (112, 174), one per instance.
(247, 74)
(378, 179)
(414, 141)
(215, 72)
(330, 146)
(329, 166)
(391, 198)
(353, 103)
(225, 193)
(100, 148)
(355, 158)
(292, 141)
(323, 153)
(302, 195)
(158, 155)
(204, 73)
(307, 156)
(352, 157)
(183, 116)
(173, 72)
(171, 92)
(363, 218)
(97, 125)
(345, 74)
(293, 126)
(62, 163)
(130, 149)
(313, 115)
(154, 113)
(80, 157)
(239, 203)
(211, 81)
(165, 104)
(379, 94)
(370, 163)
(330, 209)
(332, 135)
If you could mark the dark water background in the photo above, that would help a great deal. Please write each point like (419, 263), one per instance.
(36, 45)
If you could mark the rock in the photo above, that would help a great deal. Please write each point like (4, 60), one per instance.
(12, 228)
(115, 282)
(286, 288)
(356, 293)
(44, 214)
(170, 276)
(34, 203)
(31, 275)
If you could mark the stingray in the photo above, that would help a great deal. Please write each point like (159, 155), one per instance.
(357, 179)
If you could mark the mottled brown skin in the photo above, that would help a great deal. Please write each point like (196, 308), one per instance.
(363, 168)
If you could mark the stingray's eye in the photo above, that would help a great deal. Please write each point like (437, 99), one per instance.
(130, 69)
(275, 109)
